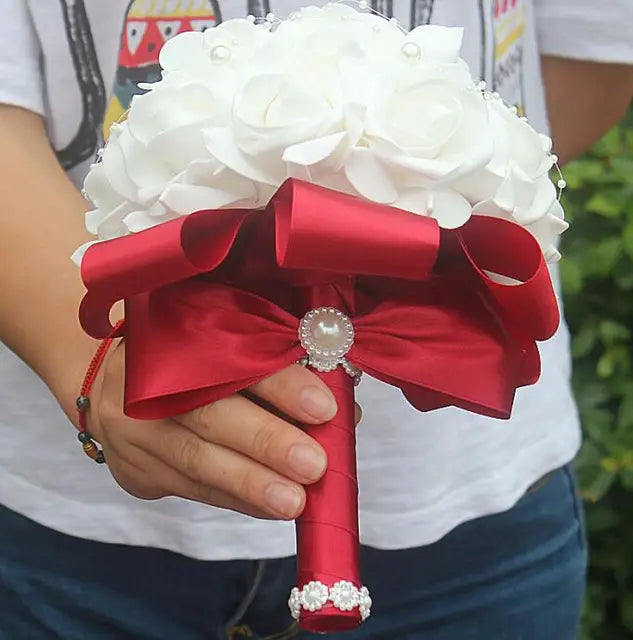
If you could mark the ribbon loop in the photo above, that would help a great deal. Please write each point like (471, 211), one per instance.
(320, 229)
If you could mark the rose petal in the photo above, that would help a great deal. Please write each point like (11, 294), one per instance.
(449, 208)
(185, 199)
(78, 254)
(313, 151)
(146, 170)
(440, 44)
(221, 144)
(100, 190)
(138, 221)
(544, 197)
(108, 224)
(183, 51)
(115, 168)
(369, 177)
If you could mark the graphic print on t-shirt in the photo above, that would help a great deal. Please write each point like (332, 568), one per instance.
(508, 23)
(421, 12)
(90, 81)
(147, 26)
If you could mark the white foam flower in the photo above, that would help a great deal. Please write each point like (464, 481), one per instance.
(294, 603)
(334, 96)
(314, 595)
(344, 595)
(424, 135)
(515, 183)
(365, 603)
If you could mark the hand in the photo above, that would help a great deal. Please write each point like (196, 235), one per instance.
(232, 453)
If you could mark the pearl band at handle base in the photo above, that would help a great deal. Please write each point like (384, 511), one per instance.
(343, 595)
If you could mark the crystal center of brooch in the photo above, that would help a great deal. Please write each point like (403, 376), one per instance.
(327, 335)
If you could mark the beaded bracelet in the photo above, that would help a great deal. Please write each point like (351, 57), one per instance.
(83, 400)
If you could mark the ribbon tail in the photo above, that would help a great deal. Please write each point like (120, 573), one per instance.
(446, 347)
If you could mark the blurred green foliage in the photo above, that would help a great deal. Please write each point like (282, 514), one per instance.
(597, 274)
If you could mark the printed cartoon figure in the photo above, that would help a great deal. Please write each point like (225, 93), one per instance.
(148, 25)
(509, 29)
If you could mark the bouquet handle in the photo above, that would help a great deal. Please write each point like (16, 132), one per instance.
(327, 531)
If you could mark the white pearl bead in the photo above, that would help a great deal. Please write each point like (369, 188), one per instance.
(411, 50)
(363, 4)
(562, 184)
(327, 335)
(250, 18)
(220, 54)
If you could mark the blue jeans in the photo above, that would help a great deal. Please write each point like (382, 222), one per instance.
(518, 575)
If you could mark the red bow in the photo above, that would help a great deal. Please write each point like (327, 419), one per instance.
(213, 303)
(432, 322)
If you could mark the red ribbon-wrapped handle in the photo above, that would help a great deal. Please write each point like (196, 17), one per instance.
(327, 532)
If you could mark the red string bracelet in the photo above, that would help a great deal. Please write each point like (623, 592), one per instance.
(83, 400)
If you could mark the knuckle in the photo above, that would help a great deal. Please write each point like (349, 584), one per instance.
(188, 456)
(204, 418)
(279, 385)
(244, 487)
(202, 493)
(265, 442)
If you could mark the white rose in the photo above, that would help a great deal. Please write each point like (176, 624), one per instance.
(271, 113)
(420, 137)
(151, 157)
(516, 178)
(214, 56)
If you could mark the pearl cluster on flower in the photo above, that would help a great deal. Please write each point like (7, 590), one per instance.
(344, 595)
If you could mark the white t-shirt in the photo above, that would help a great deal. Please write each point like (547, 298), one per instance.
(420, 474)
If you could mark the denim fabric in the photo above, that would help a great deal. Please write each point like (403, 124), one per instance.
(518, 575)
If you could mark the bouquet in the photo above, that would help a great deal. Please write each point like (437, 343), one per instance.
(331, 190)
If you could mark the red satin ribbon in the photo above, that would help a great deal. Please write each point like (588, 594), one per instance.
(213, 302)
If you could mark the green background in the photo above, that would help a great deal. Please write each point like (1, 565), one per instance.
(597, 273)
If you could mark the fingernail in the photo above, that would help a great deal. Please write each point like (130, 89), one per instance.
(317, 403)
(309, 462)
(283, 499)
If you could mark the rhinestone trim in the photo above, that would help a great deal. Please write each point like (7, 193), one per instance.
(343, 595)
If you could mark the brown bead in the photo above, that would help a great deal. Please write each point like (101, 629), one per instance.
(90, 449)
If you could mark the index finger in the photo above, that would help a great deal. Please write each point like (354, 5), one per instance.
(299, 394)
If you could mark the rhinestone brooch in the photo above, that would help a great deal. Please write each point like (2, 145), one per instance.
(327, 335)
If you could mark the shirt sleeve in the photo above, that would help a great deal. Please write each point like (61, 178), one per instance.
(598, 30)
(21, 81)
